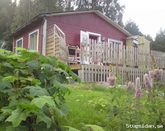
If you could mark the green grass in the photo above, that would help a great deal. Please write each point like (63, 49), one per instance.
(80, 107)
(110, 108)
(87, 104)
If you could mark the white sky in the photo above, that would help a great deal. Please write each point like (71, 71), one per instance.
(149, 15)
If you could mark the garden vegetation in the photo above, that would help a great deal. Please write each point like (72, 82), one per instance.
(35, 95)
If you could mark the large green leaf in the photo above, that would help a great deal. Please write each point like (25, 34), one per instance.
(25, 104)
(10, 78)
(37, 91)
(5, 112)
(33, 80)
(33, 64)
(47, 67)
(12, 56)
(41, 117)
(8, 65)
(42, 100)
(5, 85)
(17, 116)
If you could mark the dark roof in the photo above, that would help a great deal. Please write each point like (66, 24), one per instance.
(107, 19)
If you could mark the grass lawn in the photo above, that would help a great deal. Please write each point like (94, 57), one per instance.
(86, 106)
(108, 108)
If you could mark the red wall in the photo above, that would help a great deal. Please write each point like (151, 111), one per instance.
(72, 24)
(25, 34)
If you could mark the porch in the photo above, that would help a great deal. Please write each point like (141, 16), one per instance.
(94, 59)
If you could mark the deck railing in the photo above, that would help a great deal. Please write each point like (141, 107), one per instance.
(115, 53)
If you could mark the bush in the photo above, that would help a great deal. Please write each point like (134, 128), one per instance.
(31, 93)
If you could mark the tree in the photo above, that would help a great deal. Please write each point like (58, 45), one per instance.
(110, 8)
(159, 42)
(23, 14)
(148, 37)
(7, 9)
(47, 6)
(132, 28)
(27, 9)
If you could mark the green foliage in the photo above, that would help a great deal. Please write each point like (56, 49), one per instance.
(132, 28)
(69, 128)
(159, 42)
(28, 9)
(93, 128)
(32, 90)
(7, 10)
(111, 8)
(85, 128)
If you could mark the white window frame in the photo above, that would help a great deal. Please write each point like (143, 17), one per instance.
(95, 34)
(116, 41)
(37, 30)
(20, 39)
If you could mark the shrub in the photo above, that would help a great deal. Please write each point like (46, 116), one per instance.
(31, 93)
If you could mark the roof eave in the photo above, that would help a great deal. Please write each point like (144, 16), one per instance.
(113, 23)
(107, 19)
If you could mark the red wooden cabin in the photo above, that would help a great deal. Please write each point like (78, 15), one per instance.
(54, 33)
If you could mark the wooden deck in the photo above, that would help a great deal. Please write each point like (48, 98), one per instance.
(94, 60)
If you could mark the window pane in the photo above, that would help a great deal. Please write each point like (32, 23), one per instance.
(33, 41)
(19, 43)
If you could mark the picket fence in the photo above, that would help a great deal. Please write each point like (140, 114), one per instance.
(158, 58)
(114, 52)
(97, 73)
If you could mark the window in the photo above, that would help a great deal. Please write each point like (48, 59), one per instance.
(94, 36)
(71, 51)
(33, 40)
(19, 43)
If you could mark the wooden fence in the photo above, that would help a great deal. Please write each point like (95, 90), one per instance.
(55, 43)
(97, 73)
(115, 53)
(158, 58)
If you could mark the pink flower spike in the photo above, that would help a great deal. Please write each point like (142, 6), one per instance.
(137, 88)
(151, 74)
(147, 81)
(137, 84)
(111, 79)
(138, 93)
(161, 73)
(130, 85)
